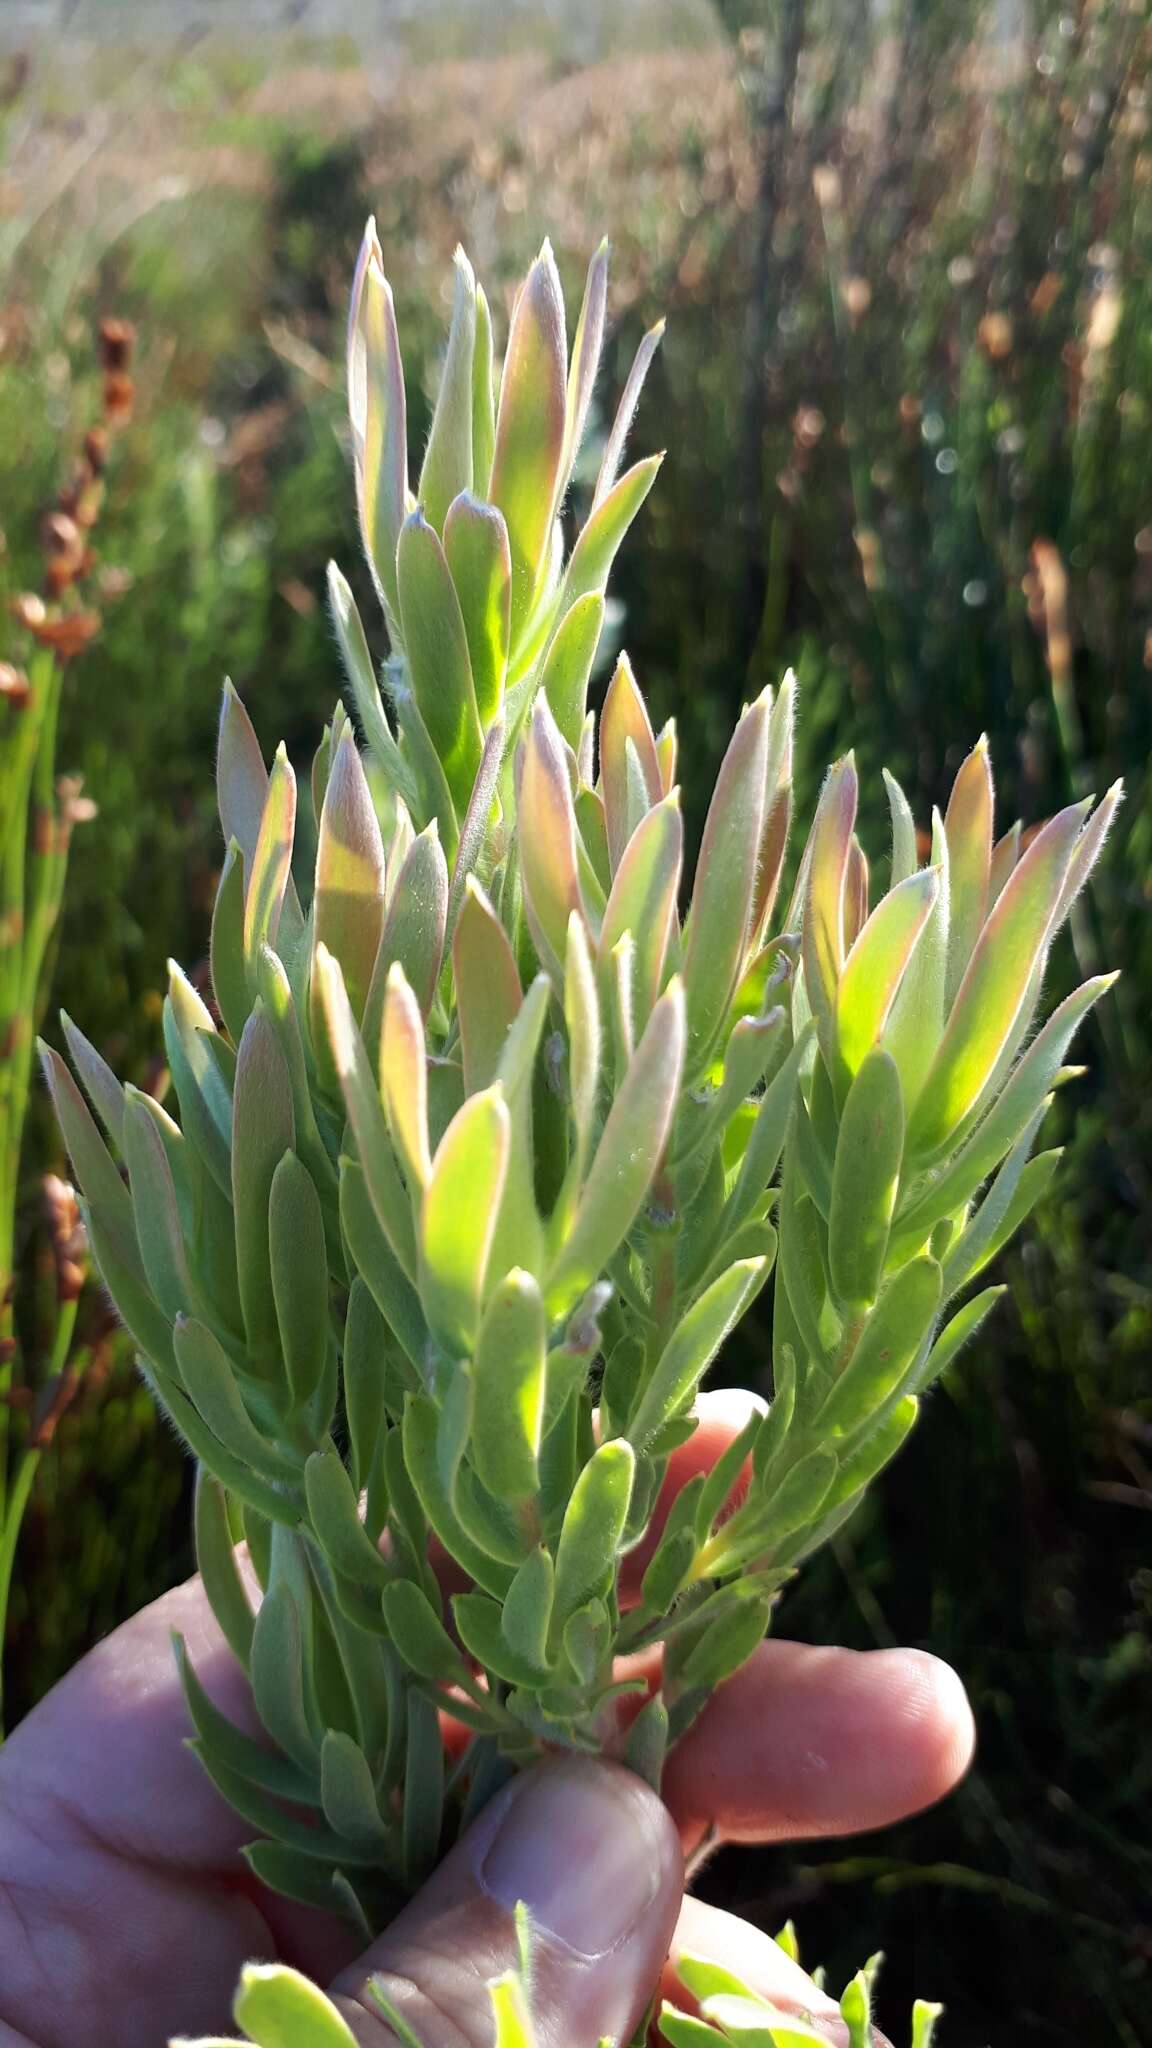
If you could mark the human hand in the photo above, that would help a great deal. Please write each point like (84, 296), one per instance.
(126, 1910)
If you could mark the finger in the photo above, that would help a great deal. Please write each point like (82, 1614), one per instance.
(759, 1963)
(805, 1742)
(593, 1855)
(108, 1742)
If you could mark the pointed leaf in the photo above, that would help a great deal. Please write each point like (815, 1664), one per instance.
(447, 466)
(487, 986)
(530, 427)
(458, 1217)
(477, 551)
(436, 649)
(865, 1178)
(508, 1370)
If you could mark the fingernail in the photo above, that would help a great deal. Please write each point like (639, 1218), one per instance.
(577, 1843)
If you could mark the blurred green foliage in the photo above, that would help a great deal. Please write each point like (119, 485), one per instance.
(905, 258)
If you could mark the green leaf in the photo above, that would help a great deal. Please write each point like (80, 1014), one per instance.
(269, 870)
(155, 1204)
(230, 984)
(968, 828)
(210, 1382)
(458, 1217)
(625, 719)
(420, 1635)
(526, 1615)
(995, 985)
(488, 994)
(102, 1088)
(241, 777)
(727, 1642)
(717, 930)
(299, 1276)
(477, 1620)
(904, 855)
(334, 1513)
(230, 1746)
(422, 1466)
(216, 1563)
(766, 1139)
(582, 1017)
(366, 1116)
(823, 932)
(436, 650)
(692, 1348)
(348, 906)
(593, 1528)
(477, 551)
(423, 1788)
(1037, 1073)
(586, 347)
(361, 675)
(547, 838)
(643, 901)
(364, 1361)
(1008, 1202)
(281, 2009)
(204, 1097)
(646, 1743)
(413, 929)
(865, 1178)
(376, 408)
(263, 1129)
(630, 1149)
(92, 1163)
(277, 1673)
(404, 1079)
(374, 1259)
(625, 412)
(513, 2021)
(530, 428)
(483, 398)
(595, 551)
(567, 664)
(875, 967)
(958, 1331)
(508, 1369)
(447, 466)
(892, 1335)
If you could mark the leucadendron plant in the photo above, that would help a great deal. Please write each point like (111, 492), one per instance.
(481, 1155)
(278, 2008)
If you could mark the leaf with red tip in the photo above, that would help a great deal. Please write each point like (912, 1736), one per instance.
(830, 854)
(404, 1077)
(530, 427)
(624, 718)
(722, 896)
(348, 906)
(586, 347)
(996, 983)
(643, 901)
(625, 413)
(378, 413)
(968, 825)
(547, 838)
(875, 967)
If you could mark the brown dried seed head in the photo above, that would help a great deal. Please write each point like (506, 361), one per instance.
(117, 344)
(119, 393)
(96, 449)
(67, 635)
(14, 685)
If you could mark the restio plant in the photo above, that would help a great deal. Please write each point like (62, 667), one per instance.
(481, 1155)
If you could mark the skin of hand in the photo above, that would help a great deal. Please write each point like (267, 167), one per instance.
(126, 1910)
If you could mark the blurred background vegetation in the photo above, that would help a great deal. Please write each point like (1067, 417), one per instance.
(904, 248)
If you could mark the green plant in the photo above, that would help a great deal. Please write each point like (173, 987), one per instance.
(278, 2008)
(483, 1156)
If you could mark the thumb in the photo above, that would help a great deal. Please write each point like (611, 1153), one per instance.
(594, 1856)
